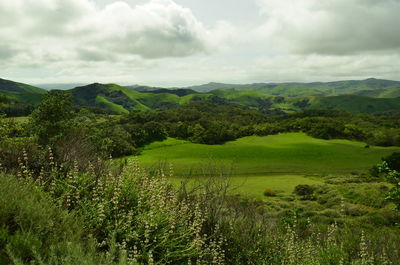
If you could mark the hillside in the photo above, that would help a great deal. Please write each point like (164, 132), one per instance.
(124, 99)
(21, 93)
(288, 153)
(372, 96)
(295, 89)
(279, 104)
(356, 104)
(380, 93)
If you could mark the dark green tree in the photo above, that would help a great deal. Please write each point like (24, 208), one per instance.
(53, 117)
(390, 168)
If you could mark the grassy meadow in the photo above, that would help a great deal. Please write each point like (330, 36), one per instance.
(255, 186)
(276, 162)
(284, 198)
(287, 154)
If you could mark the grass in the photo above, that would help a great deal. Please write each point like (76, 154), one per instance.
(19, 120)
(356, 104)
(289, 153)
(255, 186)
(110, 105)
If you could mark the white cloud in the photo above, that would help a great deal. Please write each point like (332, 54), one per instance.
(44, 31)
(335, 27)
(314, 67)
(160, 42)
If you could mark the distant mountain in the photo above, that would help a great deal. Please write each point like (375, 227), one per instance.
(356, 104)
(279, 104)
(294, 89)
(179, 92)
(141, 88)
(213, 86)
(20, 92)
(380, 93)
(122, 99)
(60, 86)
(371, 96)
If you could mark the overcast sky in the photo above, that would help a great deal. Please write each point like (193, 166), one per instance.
(185, 42)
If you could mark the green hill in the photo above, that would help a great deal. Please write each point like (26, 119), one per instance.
(371, 96)
(289, 153)
(124, 99)
(105, 96)
(380, 93)
(356, 104)
(295, 89)
(21, 93)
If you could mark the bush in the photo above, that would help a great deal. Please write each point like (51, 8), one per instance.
(303, 189)
(32, 225)
(269, 193)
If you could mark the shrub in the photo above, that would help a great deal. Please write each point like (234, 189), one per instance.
(32, 225)
(303, 189)
(269, 193)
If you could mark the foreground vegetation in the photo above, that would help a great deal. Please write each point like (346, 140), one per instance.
(60, 216)
(64, 201)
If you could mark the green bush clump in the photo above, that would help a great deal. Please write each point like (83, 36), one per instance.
(269, 193)
(305, 191)
(33, 227)
(131, 217)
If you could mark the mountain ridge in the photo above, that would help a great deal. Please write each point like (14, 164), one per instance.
(372, 96)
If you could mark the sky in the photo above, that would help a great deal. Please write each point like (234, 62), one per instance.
(187, 42)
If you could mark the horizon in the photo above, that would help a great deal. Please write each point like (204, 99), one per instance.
(179, 43)
(206, 83)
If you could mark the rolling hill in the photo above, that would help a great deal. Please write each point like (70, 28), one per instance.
(356, 104)
(288, 153)
(124, 99)
(295, 89)
(20, 92)
(372, 96)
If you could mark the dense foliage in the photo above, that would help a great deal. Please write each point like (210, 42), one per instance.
(103, 216)
(391, 168)
(208, 123)
(63, 202)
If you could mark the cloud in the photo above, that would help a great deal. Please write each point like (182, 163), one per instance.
(47, 31)
(339, 27)
(315, 67)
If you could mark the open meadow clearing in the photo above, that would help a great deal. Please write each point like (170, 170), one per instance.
(282, 185)
(288, 153)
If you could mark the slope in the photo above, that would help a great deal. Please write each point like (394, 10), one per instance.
(296, 89)
(356, 104)
(21, 93)
(289, 153)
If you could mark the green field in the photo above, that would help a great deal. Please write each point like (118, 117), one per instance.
(255, 186)
(290, 154)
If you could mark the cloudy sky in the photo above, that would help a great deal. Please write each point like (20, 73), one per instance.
(185, 42)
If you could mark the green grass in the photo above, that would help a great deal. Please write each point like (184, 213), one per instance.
(290, 153)
(110, 105)
(166, 143)
(255, 186)
(356, 104)
(19, 120)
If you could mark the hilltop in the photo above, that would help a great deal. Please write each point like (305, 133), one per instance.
(20, 92)
(297, 89)
(372, 96)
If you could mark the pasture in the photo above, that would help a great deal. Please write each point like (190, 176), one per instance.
(282, 154)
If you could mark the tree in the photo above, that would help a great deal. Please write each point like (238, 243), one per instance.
(393, 176)
(53, 117)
